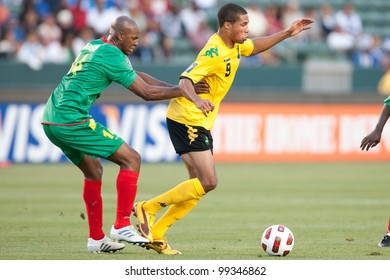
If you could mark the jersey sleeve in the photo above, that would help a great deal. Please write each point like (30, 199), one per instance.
(247, 47)
(118, 68)
(202, 67)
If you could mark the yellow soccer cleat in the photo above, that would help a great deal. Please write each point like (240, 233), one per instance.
(145, 220)
(162, 247)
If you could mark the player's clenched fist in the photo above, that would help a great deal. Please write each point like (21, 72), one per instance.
(205, 105)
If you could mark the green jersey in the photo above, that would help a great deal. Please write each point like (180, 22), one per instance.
(98, 64)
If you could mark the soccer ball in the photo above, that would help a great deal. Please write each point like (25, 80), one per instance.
(277, 240)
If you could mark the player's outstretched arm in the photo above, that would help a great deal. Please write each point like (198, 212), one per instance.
(150, 92)
(264, 43)
(152, 80)
(200, 87)
(374, 137)
(151, 89)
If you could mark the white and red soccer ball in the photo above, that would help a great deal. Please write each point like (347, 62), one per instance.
(277, 240)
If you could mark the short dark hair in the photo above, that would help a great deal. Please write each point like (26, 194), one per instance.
(230, 13)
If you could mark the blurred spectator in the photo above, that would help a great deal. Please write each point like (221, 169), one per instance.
(315, 32)
(99, 17)
(273, 14)
(4, 14)
(172, 28)
(384, 82)
(8, 45)
(31, 51)
(30, 20)
(39, 6)
(206, 4)
(152, 12)
(15, 7)
(258, 23)
(341, 41)
(145, 50)
(17, 30)
(199, 38)
(60, 52)
(42, 7)
(258, 26)
(55, 5)
(85, 35)
(368, 51)
(291, 13)
(149, 48)
(327, 19)
(147, 41)
(386, 45)
(349, 20)
(134, 11)
(79, 16)
(192, 16)
(65, 21)
(155, 7)
(48, 30)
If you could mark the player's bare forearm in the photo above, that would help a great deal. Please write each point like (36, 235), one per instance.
(374, 137)
(153, 92)
(264, 43)
(187, 89)
(383, 117)
(153, 81)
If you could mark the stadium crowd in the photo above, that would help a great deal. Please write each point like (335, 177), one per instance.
(53, 31)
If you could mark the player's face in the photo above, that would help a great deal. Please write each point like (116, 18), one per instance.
(240, 30)
(130, 40)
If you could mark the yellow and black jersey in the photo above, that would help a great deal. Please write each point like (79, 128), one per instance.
(217, 65)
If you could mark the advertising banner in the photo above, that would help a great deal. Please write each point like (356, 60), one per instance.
(142, 126)
(243, 132)
(297, 132)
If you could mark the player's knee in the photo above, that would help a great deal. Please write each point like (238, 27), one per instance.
(135, 158)
(210, 184)
(95, 174)
(99, 170)
(132, 161)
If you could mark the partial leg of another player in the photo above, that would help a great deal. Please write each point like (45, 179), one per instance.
(183, 198)
(385, 242)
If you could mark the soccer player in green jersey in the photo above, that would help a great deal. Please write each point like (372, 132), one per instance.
(190, 120)
(370, 141)
(68, 124)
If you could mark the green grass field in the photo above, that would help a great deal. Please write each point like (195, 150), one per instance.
(336, 211)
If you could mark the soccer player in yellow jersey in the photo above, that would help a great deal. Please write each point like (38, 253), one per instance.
(190, 119)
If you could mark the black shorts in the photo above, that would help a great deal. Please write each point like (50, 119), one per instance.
(186, 138)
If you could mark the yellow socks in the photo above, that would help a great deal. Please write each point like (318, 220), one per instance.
(185, 191)
(171, 216)
(183, 198)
